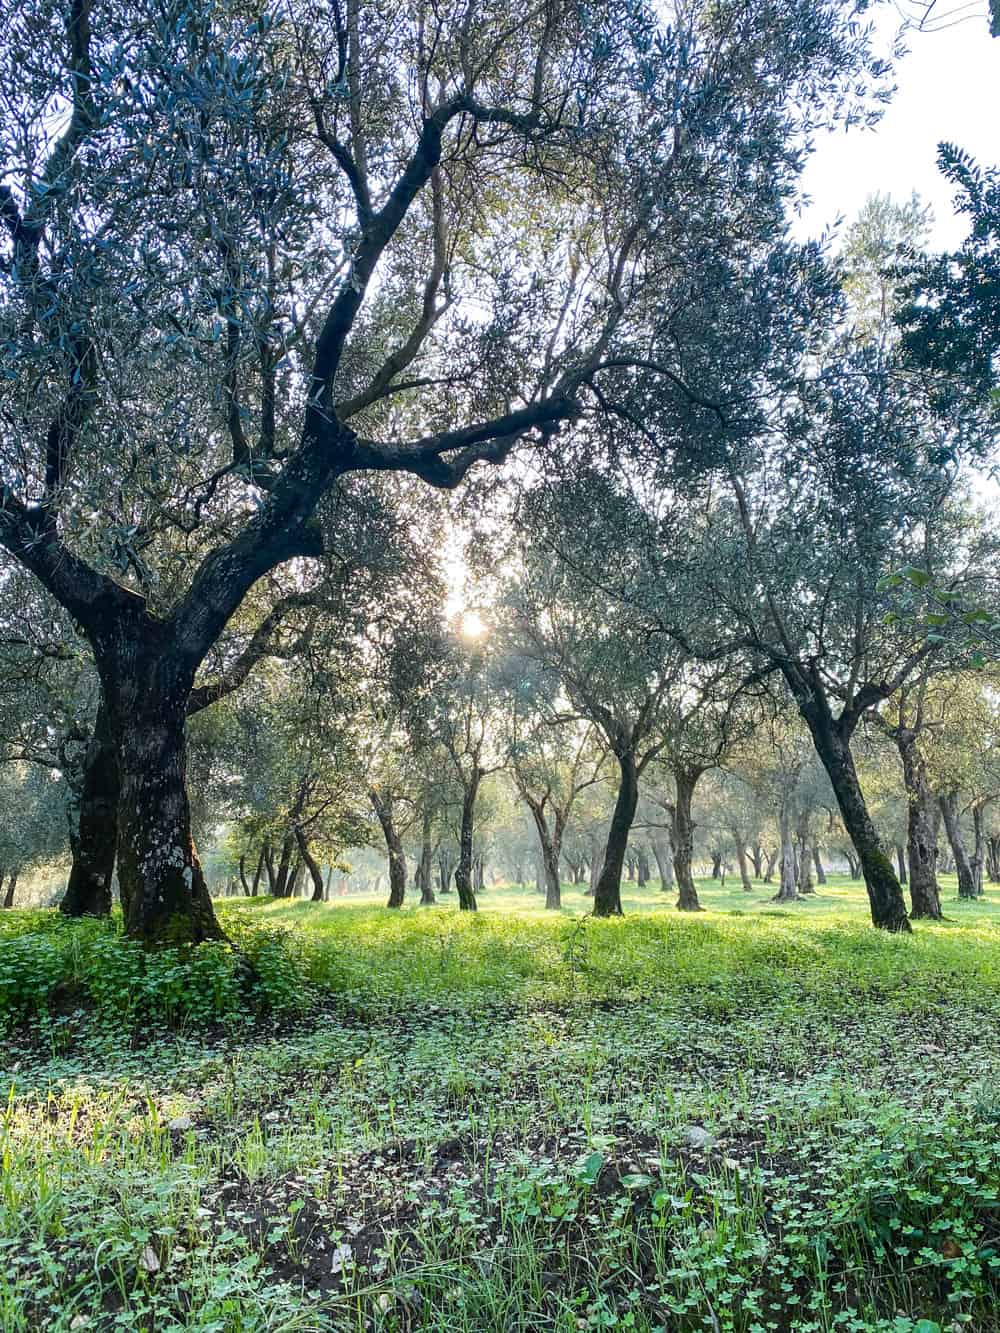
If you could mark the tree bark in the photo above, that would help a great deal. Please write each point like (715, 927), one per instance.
(283, 878)
(254, 888)
(664, 863)
(8, 898)
(608, 890)
(716, 864)
(979, 844)
(742, 863)
(832, 742)
(550, 846)
(463, 871)
(95, 847)
(788, 889)
(772, 861)
(309, 861)
(424, 873)
(818, 863)
(383, 807)
(685, 779)
(757, 856)
(948, 801)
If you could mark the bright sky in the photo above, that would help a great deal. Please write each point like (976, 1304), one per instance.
(947, 89)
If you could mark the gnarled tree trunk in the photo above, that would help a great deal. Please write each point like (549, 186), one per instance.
(309, 861)
(424, 873)
(921, 835)
(384, 809)
(788, 890)
(463, 871)
(742, 863)
(664, 863)
(818, 863)
(685, 780)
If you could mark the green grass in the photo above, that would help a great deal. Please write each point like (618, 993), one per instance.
(747, 1119)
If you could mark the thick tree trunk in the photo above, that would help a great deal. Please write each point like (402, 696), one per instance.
(803, 868)
(309, 861)
(742, 863)
(95, 846)
(163, 889)
(383, 807)
(8, 898)
(885, 897)
(463, 871)
(948, 802)
(608, 890)
(788, 890)
(685, 779)
(664, 864)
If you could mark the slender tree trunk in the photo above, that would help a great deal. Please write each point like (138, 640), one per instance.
(309, 861)
(885, 897)
(716, 864)
(993, 857)
(685, 779)
(162, 885)
(8, 899)
(804, 864)
(788, 890)
(757, 856)
(283, 879)
(921, 835)
(948, 802)
(818, 863)
(383, 807)
(426, 858)
(978, 848)
(243, 875)
(463, 872)
(608, 890)
(268, 853)
(295, 878)
(257, 874)
(549, 842)
(741, 861)
(664, 864)
(901, 865)
(596, 862)
(95, 846)
(772, 861)
(642, 867)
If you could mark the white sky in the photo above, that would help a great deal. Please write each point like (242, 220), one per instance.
(947, 89)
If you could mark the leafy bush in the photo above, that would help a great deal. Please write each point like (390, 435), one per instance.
(57, 963)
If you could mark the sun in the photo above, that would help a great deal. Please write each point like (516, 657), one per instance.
(473, 625)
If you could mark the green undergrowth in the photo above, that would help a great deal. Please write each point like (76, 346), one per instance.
(740, 1124)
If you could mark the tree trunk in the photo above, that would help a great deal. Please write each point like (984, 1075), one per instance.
(8, 898)
(257, 874)
(757, 857)
(294, 878)
(818, 863)
(268, 854)
(426, 858)
(993, 857)
(283, 879)
(788, 890)
(742, 863)
(772, 861)
(978, 848)
(596, 862)
(901, 864)
(804, 864)
(243, 875)
(309, 861)
(463, 871)
(383, 807)
(664, 864)
(162, 885)
(642, 867)
(948, 802)
(685, 779)
(95, 846)
(921, 835)
(716, 864)
(885, 897)
(608, 890)
(549, 842)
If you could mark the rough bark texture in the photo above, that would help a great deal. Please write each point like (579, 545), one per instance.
(95, 847)
(463, 871)
(383, 807)
(163, 889)
(885, 897)
(284, 876)
(772, 861)
(8, 898)
(953, 827)
(608, 889)
(788, 889)
(425, 880)
(685, 779)
(550, 845)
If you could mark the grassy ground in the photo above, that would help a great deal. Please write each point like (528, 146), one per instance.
(746, 1120)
